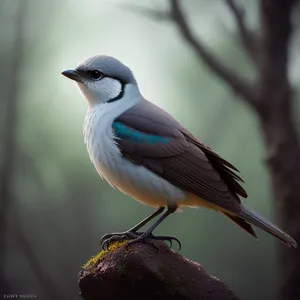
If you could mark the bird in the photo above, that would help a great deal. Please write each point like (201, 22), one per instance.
(143, 151)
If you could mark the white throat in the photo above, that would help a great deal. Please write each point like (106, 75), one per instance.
(100, 91)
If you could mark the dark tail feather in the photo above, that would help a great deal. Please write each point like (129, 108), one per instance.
(259, 221)
(242, 223)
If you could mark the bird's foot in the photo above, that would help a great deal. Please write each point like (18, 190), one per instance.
(148, 239)
(167, 238)
(137, 237)
(110, 238)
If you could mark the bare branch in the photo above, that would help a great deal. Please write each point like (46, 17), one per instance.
(245, 34)
(235, 81)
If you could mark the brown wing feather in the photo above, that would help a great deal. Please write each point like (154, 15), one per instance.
(186, 161)
(222, 166)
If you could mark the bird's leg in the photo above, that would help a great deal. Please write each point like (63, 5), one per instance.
(145, 236)
(147, 220)
(129, 234)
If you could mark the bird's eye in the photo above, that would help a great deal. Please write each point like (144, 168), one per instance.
(95, 74)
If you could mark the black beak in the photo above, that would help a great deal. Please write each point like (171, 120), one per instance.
(72, 74)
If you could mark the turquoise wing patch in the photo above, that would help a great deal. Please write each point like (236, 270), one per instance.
(128, 133)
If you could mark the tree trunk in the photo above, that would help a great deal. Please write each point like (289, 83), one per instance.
(283, 159)
(274, 108)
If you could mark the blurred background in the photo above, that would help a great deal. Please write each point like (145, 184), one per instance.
(55, 207)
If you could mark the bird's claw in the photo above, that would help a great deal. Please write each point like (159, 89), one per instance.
(110, 238)
(147, 240)
(169, 239)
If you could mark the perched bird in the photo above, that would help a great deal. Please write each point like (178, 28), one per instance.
(145, 153)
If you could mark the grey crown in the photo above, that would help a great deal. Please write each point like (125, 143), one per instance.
(109, 66)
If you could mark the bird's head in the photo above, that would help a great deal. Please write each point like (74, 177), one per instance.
(101, 78)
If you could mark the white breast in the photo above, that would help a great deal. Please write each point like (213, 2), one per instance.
(131, 179)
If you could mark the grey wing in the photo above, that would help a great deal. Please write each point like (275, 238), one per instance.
(178, 156)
